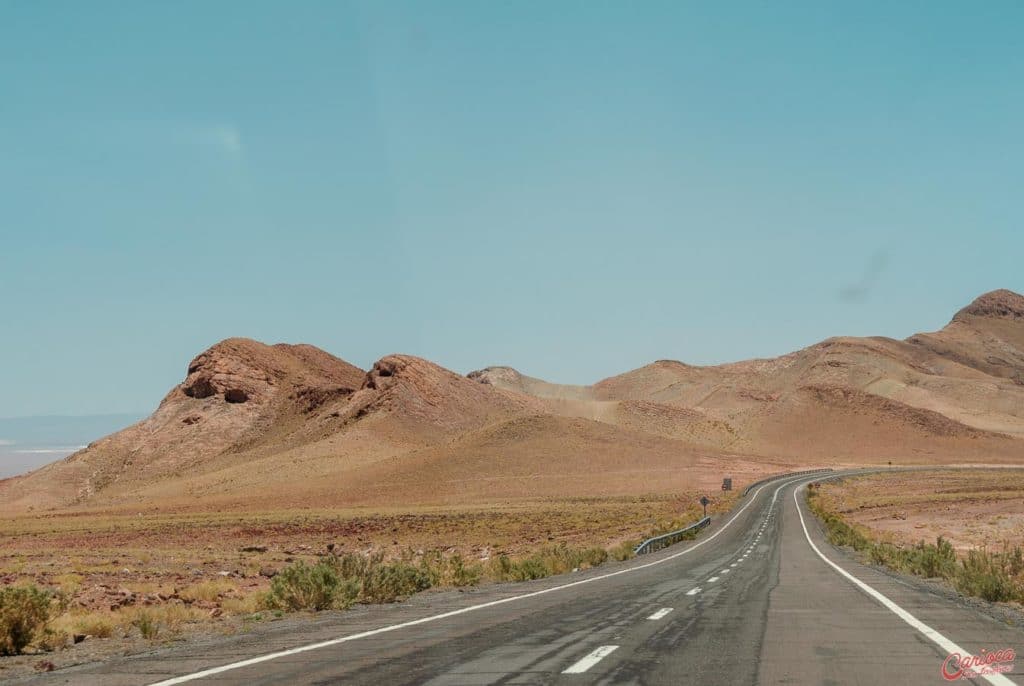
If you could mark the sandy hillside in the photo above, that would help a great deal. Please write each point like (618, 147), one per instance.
(258, 426)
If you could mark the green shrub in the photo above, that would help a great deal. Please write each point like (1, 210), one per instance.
(461, 574)
(1014, 561)
(434, 566)
(501, 568)
(24, 613)
(883, 554)
(994, 577)
(982, 575)
(337, 580)
(352, 566)
(529, 569)
(386, 583)
(594, 557)
(557, 559)
(147, 624)
(311, 587)
(624, 551)
(933, 561)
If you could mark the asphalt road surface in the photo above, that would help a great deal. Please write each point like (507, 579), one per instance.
(760, 598)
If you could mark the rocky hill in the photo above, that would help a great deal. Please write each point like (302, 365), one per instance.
(254, 425)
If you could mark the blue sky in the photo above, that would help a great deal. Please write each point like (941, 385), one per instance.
(572, 188)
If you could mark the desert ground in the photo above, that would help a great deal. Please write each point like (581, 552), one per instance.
(970, 507)
(190, 574)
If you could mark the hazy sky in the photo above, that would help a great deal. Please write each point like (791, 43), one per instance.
(574, 189)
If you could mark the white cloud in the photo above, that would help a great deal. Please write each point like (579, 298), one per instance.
(220, 137)
(5, 442)
(226, 137)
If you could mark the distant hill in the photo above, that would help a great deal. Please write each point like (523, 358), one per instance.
(265, 426)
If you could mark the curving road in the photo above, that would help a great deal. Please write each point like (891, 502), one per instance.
(759, 598)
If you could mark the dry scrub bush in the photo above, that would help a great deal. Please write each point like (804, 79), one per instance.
(153, 622)
(336, 581)
(557, 559)
(95, 624)
(311, 587)
(24, 614)
(209, 591)
(992, 576)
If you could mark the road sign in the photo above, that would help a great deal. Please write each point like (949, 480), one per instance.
(727, 484)
(704, 501)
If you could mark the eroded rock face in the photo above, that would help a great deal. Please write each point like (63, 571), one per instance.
(1003, 304)
(381, 377)
(235, 395)
(424, 392)
(496, 376)
(231, 372)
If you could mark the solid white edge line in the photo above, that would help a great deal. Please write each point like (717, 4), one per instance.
(590, 660)
(660, 613)
(928, 632)
(185, 678)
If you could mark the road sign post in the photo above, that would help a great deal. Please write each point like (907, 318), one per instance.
(704, 503)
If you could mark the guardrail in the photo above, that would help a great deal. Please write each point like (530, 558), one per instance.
(665, 540)
(779, 476)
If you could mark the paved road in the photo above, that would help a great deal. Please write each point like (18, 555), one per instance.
(750, 602)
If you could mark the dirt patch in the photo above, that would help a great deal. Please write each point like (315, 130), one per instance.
(972, 508)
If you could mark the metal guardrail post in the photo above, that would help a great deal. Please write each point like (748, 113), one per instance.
(665, 540)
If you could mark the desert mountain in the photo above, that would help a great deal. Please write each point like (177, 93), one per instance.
(254, 425)
(958, 391)
(972, 371)
(258, 417)
(234, 394)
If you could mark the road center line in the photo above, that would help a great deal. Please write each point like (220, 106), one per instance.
(591, 660)
(931, 634)
(660, 613)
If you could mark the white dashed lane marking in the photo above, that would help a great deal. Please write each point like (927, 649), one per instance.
(590, 660)
(267, 657)
(712, 579)
(660, 613)
(693, 591)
